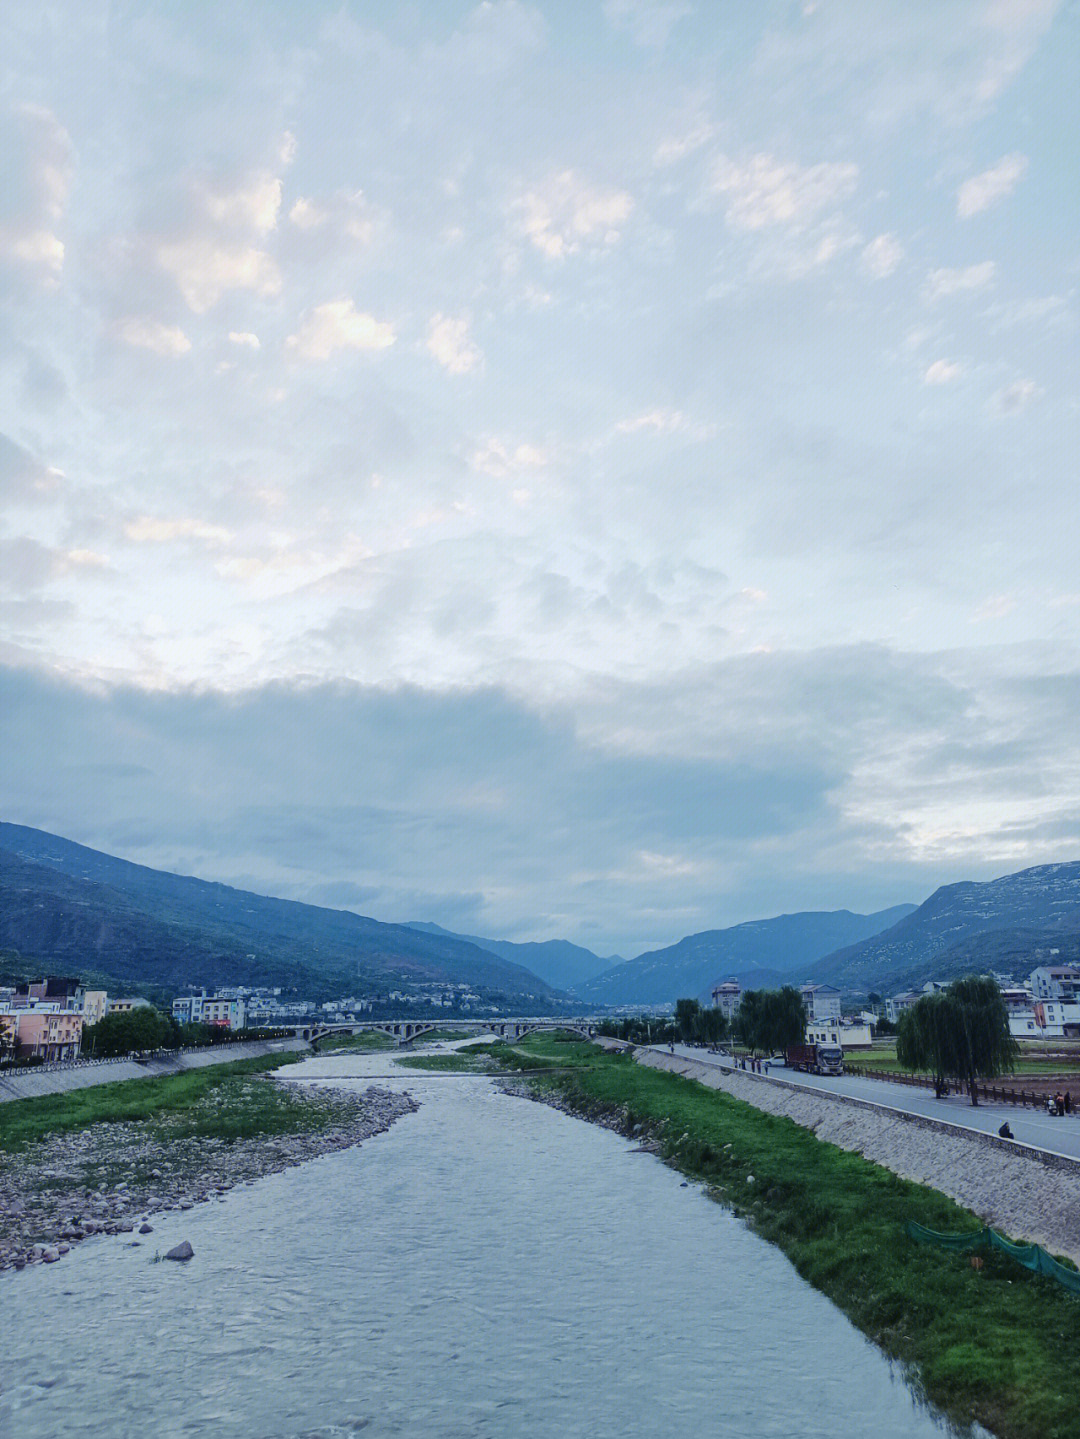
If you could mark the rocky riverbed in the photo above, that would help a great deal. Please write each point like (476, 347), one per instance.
(112, 1178)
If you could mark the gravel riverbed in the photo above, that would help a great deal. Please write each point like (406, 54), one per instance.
(112, 1178)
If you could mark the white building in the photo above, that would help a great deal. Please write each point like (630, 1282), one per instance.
(727, 997)
(1056, 981)
(822, 1003)
(847, 1036)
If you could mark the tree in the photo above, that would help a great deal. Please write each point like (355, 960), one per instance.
(125, 1030)
(687, 1019)
(771, 1019)
(962, 1034)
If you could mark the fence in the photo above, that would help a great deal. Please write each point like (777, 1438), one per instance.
(995, 1093)
(65, 1066)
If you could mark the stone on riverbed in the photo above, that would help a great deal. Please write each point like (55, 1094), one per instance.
(181, 1251)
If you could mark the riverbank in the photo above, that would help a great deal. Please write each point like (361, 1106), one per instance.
(16, 1084)
(995, 1344)
(106, 1160)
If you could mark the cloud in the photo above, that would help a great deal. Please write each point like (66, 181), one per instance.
(943, 372)
(244, 338)
(659, 421)
(448, 341)
(168, 341)
(148, 529)
(982, 191)
(36, 157)
(206, 268)
(26, 564)
(882, 256)
(347, 214)
(565, 212)
(501, 460)
(252, 205)
(1016, 397)
(648, 22)
(24, 479)
(941, 283)
(763, 191)
(338, 325)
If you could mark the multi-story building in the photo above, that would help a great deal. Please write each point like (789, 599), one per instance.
(727, 997)
(49, 1034)
(1060, 982)
(821, 1002)
(95, 1006)
(203, 1008)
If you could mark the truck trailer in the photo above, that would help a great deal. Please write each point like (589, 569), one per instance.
(815, 1058)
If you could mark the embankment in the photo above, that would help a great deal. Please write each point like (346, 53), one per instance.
(1011, 1187)
(32, 1083)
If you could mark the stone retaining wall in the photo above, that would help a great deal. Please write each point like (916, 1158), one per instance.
(1024, 1191)
(30, 1083)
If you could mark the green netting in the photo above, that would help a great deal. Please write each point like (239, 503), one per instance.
(1031, 1256)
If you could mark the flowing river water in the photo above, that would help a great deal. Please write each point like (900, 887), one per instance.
(488, 1267)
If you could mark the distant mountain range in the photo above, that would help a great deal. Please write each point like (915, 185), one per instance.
(1008, 924)
(562, 964)
(760, 953)
(74, 908)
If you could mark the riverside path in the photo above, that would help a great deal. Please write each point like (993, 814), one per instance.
(1056, 1135)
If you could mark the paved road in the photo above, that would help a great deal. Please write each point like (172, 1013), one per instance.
(1060, 1135)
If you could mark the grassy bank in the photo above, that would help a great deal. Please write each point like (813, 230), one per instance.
(367, 1039)
(1030, 1060)
(996, 1344)
(217, 1101)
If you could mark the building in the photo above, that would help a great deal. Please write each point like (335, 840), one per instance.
(1055, 1020)
(49, 1034)
(95, 1006)
(821, 1002)
(847, 1036)
(1059, 982)
(123, 1006)
(65, 993)
(225, 1009)
(727, 997)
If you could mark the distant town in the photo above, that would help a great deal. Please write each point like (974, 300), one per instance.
(57, 1019)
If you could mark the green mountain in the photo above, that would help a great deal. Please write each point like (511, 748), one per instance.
(72, 908)
(1009, 924)
(562, 964)
(762, 952)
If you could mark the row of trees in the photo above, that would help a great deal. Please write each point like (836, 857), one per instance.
(130, 1030)
(767, 1020)
(961, 1033)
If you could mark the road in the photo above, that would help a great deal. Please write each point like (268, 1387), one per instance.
(1029, 1126)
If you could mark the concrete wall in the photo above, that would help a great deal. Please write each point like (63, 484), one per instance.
(1025, 1192)
(30, 1083)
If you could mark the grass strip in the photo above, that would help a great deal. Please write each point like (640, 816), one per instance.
(991, 1344)
(217, 1101)
(367, 1039)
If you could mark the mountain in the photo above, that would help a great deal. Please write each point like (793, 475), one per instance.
(761, 953)
(562, 964)
(965, 928)
(70, 907)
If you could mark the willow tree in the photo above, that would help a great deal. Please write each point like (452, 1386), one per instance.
(771, 1019)
(962, 1034)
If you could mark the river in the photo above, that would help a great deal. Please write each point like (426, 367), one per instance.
(488, 1267)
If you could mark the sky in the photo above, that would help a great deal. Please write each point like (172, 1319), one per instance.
(600, 470)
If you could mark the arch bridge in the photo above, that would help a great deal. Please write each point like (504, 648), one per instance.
(406, 1031)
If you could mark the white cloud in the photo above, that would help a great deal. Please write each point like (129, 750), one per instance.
(648, 22)
(882, 256)
(943, 372)
(306, 215)
(982, 191)
(34, 184)
(338, 325)
(347, 213)
(205, 268)
(1016, 397)
(500, 460)
(763, 191)
(661, 421)
(251, 206)
(677, 147)
(245, 338)
(1013, 29)
(952, 282)
(168, 341)
(565, 212)
(149, 530)
(448, 340)
(287, 148)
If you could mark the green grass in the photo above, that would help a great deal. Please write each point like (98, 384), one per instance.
(1027, 1063)
(367, 1039)
(447, 1063)
(997, 1344)
(220, 1100)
